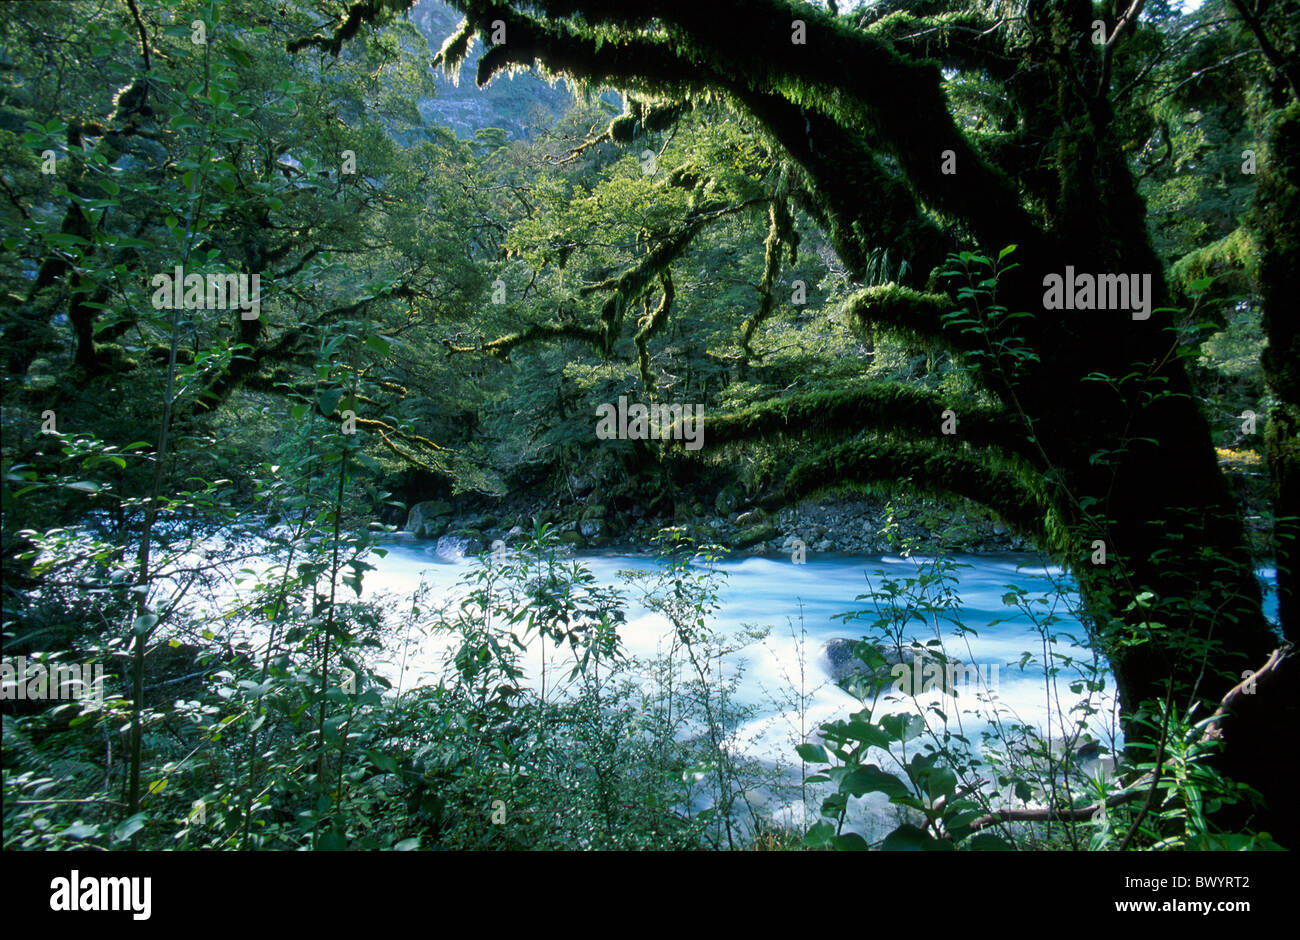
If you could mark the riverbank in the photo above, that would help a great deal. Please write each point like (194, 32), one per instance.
(843, 525)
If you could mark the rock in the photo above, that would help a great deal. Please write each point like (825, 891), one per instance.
(869, 665)
(427, 516)
(844, 660)
(754, 534)
(572, 538)
(726, 502)
(515, 533)
(825, 545)
(591, 528)
(753, 517)
(581, 485)
(434, 529)
(594, 512)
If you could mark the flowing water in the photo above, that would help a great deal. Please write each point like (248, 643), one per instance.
(799, 604)
(784, 679)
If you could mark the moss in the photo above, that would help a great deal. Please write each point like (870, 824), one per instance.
(762, 532)
(1233, 254)
(780, 233)
(652, 324)
(881, 406)
(921, 469)
(454, 50)
(902, 309)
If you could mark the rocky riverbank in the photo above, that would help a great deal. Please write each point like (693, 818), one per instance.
(853, 526)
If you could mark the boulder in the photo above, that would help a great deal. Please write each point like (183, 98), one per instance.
(844, 659)
(868, 665)
(475, 541)
(754, 534)
(428, 519)
(726, 502)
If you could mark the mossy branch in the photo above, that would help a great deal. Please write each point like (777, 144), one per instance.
(882, 406)
(652, 324)
(360, 13)
(924, 469)
(502, 346)
(780, 232)
(913, 312)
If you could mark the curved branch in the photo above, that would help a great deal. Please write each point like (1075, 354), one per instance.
(916, 313)
(926, 469)
(780, 231)
(652, 324)
(881, 406)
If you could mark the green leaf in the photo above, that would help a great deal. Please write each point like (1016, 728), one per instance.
(871, 779)
(813, 753)
(869, 734)
(849, 842)
(988, 842)
(80, 830)
(143, 624)
(819, 835)
(332, 841)
(129, 827)
(908, 838)
(329, 400)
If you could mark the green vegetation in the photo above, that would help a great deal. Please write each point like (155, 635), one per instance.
(843, 266)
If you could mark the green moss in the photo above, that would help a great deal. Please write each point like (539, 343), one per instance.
(780, 233)
(922, 469)
(1234, 253)
(762, 532)
(880, 406)
(912, 312)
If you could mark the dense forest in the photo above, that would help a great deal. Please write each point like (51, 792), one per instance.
(486, 335)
